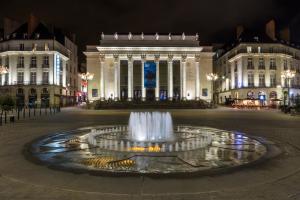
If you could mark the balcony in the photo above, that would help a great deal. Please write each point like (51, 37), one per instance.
(20, 65)
(250, 66)
(45, 82)
(20, 82)
(30, 82)
(32, 65)
(45, 65)
(273, 67)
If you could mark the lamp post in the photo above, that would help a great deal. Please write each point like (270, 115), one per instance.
(87, 77)
(212, 77)
(288, 75)
(3, 70)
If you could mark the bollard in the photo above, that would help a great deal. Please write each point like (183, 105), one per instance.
(1, 120)
(5, 117)
(23, 112)
(18, 113)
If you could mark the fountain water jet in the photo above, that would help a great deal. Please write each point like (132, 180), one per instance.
(151, 126)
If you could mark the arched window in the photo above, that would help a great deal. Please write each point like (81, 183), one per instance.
(273, 95)
(250, 94)
(20, 91)
(45, 91)
(32, 91)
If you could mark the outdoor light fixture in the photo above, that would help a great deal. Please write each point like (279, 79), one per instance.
(212, 77)
(3, 70)
(288, 75)
(87, 77)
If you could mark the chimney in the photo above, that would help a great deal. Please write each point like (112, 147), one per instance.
(9, 26)
(73, 37)
(270, 29)
(285, 34)
(32, 24)
(239, 31)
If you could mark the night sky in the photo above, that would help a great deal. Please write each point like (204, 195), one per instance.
(214, 20)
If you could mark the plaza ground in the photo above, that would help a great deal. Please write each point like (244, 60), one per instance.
(278, 178)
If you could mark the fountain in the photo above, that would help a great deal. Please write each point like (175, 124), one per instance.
(151, 126)
(148, 144)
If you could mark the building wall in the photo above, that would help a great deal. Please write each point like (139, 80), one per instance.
(39, 48)
(94, 66)
(224, 66)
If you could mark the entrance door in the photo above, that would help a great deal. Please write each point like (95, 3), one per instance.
(150, 94)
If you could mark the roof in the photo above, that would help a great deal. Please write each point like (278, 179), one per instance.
(250, 36)
(41, 31)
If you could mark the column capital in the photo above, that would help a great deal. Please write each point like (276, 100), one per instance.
(183, 57)
(170, 57)
(143, 57)
(116, 57)
(129, 57)
(156, 57)
(197, 58)
(102, 57)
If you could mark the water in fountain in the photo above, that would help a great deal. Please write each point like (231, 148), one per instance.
(151, 126)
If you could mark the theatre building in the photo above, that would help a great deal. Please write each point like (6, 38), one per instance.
(149, 68)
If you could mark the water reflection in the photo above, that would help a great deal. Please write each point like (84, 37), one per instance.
(227, 149)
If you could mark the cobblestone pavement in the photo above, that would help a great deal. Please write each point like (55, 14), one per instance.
(278, 178)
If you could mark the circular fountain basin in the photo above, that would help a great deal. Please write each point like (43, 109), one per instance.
(111, 149)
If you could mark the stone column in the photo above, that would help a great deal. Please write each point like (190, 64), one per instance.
(157, 78)
(102, 87)
(183, 64)
(116, 77)
(130, 77)
(232, 76)
(197, 81)
(143, 59)
(170, 77)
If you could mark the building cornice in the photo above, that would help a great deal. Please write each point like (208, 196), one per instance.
(5, 53)
(259, 55)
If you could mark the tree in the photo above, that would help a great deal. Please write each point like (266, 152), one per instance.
(7, 103)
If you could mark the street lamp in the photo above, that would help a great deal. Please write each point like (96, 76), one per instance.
(288, 75)
(212, 77)
(3, 70)
(87, 77)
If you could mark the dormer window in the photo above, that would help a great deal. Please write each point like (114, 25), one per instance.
(37, 36)
(34, 47)
(259, 49)
(46, 47)
(21, 47)
(249, 49)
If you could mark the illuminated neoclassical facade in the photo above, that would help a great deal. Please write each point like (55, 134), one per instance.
(255, 67)
(149, 67)
(40, 65)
